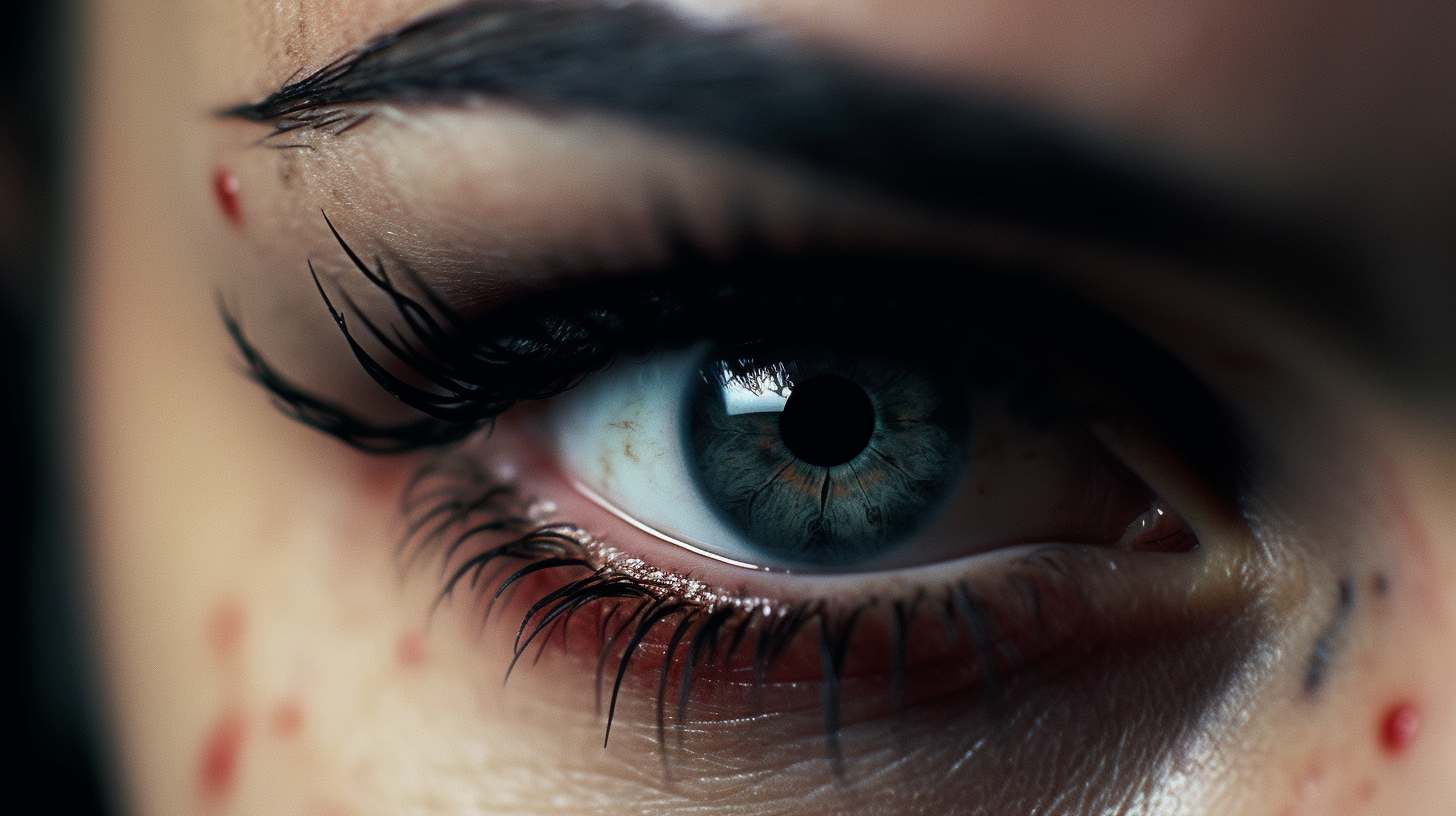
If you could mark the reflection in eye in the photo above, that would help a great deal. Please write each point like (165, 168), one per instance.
(919, 471)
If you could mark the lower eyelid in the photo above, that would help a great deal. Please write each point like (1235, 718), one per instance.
(1008, 616)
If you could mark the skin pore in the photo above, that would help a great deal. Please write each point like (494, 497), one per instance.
(269, 646)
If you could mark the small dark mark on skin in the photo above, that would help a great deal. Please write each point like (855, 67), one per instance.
(1324, 646)
(1379, 584)
(287, 168)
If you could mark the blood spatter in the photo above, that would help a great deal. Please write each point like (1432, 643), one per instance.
(410, 651)
(225, 631)
(287, 719)
(1399, 727)
(218, 767)
(225, 188)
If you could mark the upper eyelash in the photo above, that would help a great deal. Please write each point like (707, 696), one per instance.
(543, 346)
(475, 369)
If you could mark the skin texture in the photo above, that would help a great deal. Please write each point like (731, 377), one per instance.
(262, 653)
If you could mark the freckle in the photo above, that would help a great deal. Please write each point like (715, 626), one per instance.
(1379, 584)
(219, 765)
(287, 719)
(1399, 727)
(410, 652)
(1367, 791)
(226, 631)
(287, 167)
(225, 189)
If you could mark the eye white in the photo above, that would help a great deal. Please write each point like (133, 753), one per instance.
(620, 433)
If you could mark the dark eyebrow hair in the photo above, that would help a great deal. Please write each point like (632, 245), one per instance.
(780, 98)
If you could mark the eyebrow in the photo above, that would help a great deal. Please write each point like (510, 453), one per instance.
(776, 97)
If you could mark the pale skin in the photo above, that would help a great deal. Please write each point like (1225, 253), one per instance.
(264, 651)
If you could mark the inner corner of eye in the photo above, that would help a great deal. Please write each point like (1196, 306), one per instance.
(814, 460)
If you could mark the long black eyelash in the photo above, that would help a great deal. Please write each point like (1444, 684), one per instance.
(461, 373)
(330, 417)
(453, 503)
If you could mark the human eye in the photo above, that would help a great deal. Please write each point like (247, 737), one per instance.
(1030, 494)
(777, 483)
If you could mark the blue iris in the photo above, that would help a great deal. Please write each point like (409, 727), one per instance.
(825, 462)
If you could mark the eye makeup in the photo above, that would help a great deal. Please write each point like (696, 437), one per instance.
(681, 641)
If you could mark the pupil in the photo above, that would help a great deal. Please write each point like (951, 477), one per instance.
(827, 421)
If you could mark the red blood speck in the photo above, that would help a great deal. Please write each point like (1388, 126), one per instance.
(225, 188)
(287, 719)
(1399, 728)
(382, 480)
(1367, 791)
(226, 630)
(219, 765)
(410, 652)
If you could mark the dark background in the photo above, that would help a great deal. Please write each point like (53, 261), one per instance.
(50, 702)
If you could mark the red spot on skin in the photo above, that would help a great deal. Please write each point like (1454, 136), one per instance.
(1367, 792)
(218, 769)
(410, 652)
(1399, 727)
(225, 188)
(287, 719)
(383, 480)
(225, 631)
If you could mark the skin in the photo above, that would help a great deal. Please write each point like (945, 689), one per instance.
(261, 653)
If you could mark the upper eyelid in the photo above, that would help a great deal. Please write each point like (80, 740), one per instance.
(786, 100)
(468, 370)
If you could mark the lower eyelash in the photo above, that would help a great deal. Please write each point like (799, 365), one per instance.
(491, 540)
